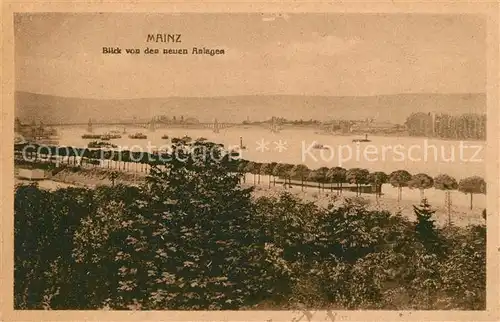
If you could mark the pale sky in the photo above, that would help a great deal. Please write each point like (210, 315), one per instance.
(296, 54)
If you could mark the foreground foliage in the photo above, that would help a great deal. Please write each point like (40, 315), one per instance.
(192, 238)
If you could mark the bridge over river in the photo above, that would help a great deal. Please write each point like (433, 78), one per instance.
(153, 124)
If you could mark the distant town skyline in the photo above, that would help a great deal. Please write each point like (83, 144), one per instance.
(326, 54)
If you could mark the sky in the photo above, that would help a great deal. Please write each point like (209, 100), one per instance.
(327, 54)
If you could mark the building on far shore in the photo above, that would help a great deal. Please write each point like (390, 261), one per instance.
(377, 127)
(37, 133)
(441, 125)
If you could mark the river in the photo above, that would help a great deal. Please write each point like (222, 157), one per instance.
(383, 153)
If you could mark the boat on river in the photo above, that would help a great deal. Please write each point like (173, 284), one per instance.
(100, 145)
(110, 136)
(139, 136)
(91, 136)
(320, 146)
(362, 140)
(186, 140)
(242, 147)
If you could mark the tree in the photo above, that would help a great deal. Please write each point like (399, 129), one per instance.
(399, 179)
(322, 175)
(300, 171)
(463, 270)
(337, 175)
(288, 168)
(267, 169)
(357, 176)
(277, 171)
(44, 224)
(314, 176)
(241, 168)
(425, 228)
(472, 185)
(377, 179)
(146, 157)
(113, 177)
(282, 170)
(421, 181)
(446, 183)
(251, 168)
(272, 166)
(185, 243)
(257, 171)
(72, 153)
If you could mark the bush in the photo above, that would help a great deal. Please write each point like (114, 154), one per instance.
(44, 226)
(187, 242)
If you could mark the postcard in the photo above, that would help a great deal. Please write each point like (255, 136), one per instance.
(250, 161)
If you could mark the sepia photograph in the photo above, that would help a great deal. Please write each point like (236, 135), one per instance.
(259, 161)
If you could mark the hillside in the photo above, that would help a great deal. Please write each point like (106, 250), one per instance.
(392, 108)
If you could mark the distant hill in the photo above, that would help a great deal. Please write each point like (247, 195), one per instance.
(384, 108)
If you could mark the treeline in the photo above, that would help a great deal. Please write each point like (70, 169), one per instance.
(325, 178)
(191, 238)
(463, 127)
